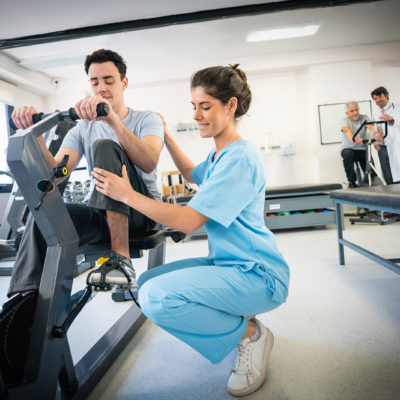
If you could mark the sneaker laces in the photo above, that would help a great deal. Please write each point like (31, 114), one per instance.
(243, 363)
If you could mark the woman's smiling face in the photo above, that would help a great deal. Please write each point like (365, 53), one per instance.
(211, 115)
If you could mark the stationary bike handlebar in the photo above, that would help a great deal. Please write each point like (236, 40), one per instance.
(71, 114)
(367, 123)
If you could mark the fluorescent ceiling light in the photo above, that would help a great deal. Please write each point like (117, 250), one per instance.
(283, 33)
(43, 63)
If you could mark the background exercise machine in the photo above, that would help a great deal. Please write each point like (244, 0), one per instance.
(372, 178)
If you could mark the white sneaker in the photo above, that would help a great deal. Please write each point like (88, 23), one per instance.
(251, 363)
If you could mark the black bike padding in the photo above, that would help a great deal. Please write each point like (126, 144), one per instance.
(15, 329)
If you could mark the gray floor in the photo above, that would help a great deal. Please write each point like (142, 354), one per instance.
(337, 337)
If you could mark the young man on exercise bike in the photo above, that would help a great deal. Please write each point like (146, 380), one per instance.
(123, 137)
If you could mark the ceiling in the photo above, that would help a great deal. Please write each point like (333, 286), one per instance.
(43, 16)
(174, 46)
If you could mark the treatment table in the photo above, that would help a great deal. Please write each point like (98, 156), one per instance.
(299, 206)
(381, 198)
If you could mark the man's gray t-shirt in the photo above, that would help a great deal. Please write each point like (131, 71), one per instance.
(140, 123)
(354, 126)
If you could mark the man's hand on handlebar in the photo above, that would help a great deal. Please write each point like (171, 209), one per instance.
(378, 137)
(22, 116)
(86, 108)
(358, 140)
(388, 118)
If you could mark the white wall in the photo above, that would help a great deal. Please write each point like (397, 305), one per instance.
(18, 96)
(388, 75)
(287, 89)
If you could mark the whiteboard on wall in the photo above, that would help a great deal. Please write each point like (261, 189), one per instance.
(330, 116)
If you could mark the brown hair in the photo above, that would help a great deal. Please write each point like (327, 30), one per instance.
(380, 90)
(224, 83)
(101, 56)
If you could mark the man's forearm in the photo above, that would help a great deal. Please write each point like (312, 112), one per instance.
(139, 153)
(51, 162)
(349, 135)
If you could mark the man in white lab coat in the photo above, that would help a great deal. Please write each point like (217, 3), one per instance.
(389, 147)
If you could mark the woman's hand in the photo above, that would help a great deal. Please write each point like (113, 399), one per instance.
(167, 134)
(114, 186)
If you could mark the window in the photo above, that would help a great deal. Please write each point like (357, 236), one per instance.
(4, 132)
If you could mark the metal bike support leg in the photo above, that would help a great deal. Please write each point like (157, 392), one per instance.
(49, 371)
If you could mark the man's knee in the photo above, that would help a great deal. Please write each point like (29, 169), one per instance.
(348, 154)
(106, 147)
(108, 155)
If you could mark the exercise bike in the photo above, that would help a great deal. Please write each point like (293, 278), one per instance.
(35, 353)
(372, 178)
(16, 212)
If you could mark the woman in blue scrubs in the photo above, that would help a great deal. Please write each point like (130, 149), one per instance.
(204, 301)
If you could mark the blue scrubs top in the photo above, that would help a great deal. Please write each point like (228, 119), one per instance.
(232, 195)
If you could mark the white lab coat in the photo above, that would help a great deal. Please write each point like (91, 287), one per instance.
(392, 141)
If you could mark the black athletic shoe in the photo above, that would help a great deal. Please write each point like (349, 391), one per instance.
(353, 185)
(116, 270)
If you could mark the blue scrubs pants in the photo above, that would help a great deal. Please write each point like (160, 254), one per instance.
(204, 304)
